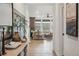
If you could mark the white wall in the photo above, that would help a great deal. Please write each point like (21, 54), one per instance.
(19, 7)
(71, 44)
(56, 31)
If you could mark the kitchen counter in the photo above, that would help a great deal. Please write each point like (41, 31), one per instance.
(17, 51)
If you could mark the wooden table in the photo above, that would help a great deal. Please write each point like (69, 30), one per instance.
(17, 51)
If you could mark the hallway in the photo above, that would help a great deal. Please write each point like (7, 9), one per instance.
(39, 29)
(40, 48)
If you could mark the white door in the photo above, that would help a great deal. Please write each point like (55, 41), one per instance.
(62, 31)
(61, 40)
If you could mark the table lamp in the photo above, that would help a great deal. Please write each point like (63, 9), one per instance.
(6, 15)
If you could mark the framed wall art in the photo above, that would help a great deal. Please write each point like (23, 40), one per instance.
(72, 19)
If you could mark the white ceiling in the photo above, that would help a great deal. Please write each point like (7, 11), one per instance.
(40, 9)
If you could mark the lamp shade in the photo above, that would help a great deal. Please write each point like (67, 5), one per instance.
(5, 14)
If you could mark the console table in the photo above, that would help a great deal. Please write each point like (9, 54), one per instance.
(20, 51)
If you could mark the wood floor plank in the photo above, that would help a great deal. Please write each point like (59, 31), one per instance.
(40, 48)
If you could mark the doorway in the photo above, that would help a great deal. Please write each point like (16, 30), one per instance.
(62, 30)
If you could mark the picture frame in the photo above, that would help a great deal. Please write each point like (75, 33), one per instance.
(72, 19)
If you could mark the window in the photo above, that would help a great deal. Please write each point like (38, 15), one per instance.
(43, 25)
(46, 27)
(38, 26)
(46, 20)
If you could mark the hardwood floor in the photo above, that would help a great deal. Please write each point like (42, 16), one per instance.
(40, 48)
